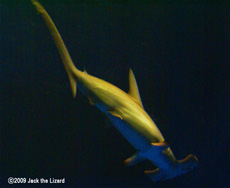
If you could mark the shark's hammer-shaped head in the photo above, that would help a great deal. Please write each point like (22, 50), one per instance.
(187, 164)
(181, 167)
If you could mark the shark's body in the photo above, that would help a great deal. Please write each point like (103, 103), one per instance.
(126, 112)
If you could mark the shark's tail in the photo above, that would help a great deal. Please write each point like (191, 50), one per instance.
(182, 167)
(71, 70)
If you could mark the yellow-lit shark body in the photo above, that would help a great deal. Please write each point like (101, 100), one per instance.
(126, 112)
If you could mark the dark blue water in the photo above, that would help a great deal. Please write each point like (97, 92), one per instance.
(179, 53)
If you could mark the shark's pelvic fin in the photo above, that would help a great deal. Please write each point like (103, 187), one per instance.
(133, 160)
(72, 71)
(133, 88)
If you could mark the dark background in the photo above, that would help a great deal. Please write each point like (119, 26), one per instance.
(179, 53)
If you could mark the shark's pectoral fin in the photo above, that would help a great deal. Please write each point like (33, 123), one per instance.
(138, 157)
(133, 88)
(133, 160)
(114, 113)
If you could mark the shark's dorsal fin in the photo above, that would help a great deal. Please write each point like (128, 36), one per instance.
(133, 88)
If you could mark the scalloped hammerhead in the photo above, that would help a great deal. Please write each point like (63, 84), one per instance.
(126, 112)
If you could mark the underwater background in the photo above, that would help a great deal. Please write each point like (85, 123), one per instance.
(179, 52)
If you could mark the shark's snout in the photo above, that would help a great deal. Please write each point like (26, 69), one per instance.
(182, 167)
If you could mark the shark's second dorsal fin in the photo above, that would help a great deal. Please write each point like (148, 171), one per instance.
(133, 88)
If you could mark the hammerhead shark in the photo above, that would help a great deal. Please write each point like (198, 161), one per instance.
(126, 112)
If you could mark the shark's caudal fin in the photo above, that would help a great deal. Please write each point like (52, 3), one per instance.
(72, 71)
(182, 167)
